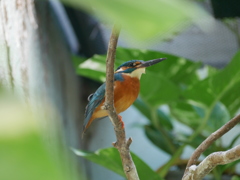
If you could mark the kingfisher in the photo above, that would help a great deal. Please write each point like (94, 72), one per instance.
(126, 89)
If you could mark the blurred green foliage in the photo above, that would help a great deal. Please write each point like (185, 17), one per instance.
(143, 19)
(24, 155)
(201, 104)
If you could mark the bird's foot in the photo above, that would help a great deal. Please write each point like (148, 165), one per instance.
(121, 121)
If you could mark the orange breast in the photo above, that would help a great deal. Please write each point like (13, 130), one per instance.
(125, 93)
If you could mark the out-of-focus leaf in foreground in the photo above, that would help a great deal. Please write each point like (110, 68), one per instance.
(143, 19)
(23, 153)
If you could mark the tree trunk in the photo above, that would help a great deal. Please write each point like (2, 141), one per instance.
(35, 63)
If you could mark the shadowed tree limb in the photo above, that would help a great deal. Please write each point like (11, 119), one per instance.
(121, 144)
(205, 144)
(210, 162)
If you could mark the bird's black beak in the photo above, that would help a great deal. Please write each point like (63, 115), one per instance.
(150, 62)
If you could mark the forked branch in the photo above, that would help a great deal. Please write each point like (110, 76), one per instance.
(211, 161)
(199, 171)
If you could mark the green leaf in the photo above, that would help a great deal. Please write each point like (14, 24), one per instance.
(28, 157)
(23, 153)
(230, 167)
(191, 115)
(164, 120)
(143, 19)
(219, 116)
(143, 108)
(110, 159)
(233, 141)
(77, 60)
(211, 70)
(157, 90)
(183, 137)
(94, 68)
(227, 77)
(187, 114)
(235, 177)
(200, 94)
(231, 99)
(218, 86)
(162, 139)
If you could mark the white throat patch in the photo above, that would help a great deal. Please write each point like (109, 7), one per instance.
(137, 73)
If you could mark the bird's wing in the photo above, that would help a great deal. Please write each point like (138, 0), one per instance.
(94, 101)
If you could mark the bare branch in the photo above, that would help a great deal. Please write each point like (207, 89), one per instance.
(210, 162)
(213, 137)
(122, 144)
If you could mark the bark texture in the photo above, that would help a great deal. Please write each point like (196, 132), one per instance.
(35, 64)
(122, 143)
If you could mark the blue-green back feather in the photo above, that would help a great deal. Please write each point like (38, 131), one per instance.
(94, 102)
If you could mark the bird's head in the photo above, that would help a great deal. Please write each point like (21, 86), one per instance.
(135, 68)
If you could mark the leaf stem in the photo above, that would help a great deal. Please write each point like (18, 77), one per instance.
(165, 168)
(162, 130)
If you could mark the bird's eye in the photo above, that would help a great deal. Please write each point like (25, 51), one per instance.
(132, 64)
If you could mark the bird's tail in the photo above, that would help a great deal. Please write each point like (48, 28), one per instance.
(85, 126)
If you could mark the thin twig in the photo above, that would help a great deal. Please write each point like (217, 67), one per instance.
(210, 162)
(122, 144)
(213, 137)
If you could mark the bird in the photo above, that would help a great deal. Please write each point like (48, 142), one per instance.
(126, 89)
